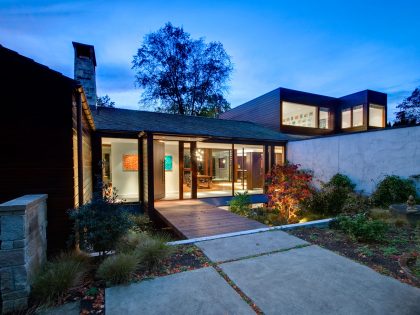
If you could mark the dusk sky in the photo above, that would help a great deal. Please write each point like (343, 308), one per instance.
(327, 47)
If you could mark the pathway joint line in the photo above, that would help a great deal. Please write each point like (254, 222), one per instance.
(264, 254)
(317, 223)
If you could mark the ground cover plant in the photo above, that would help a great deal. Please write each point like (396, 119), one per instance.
(382, 254)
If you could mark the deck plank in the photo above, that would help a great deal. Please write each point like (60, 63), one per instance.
(195, 218)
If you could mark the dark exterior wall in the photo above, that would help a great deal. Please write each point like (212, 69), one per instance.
(87, 159)
(36, 139)
(264, 110)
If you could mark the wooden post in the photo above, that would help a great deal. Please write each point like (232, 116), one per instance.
(79, 147)
(140, 170)
(181, 169)
(193, 149)
(150, 177)
(233, 169)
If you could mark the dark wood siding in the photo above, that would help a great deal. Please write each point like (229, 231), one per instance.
(87, 159)
(36, 139)
(264, 110)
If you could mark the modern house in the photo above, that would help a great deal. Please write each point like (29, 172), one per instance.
(296, 112)
(60, 143)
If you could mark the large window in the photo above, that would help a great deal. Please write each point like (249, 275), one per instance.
(357, 116)
(376, 115)
(352, 117)
(324, 118)
(346, 118)
(120, 167)
(299, 115)
(248, 168)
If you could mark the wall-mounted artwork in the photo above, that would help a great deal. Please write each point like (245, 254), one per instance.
(168, 163)
(222, 162)
(130, 162)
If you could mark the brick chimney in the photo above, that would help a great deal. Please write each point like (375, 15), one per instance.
(84, 70)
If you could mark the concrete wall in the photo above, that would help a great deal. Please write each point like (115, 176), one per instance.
(126, 182)
(365, 157)
(23, 247)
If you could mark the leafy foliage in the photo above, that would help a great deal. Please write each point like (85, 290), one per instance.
(409, 110)
(181, 75)
(141, 223)
(105, 101)
(152, 250)
(118, 268)
(100, 223)
(240, 204)
(393, 189)
(287, 187)
(335, 197)
(361, 227)
(58, 276)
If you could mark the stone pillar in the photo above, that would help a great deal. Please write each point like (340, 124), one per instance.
(23, 248)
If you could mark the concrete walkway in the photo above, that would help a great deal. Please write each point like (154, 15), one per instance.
(280, 273)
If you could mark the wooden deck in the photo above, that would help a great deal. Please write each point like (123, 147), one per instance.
(195, 218)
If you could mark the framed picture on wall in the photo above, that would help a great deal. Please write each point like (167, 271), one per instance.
(222, 162)
(168, 163)
(130, 163)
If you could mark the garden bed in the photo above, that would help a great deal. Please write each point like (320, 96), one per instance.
(383, 257)
(91, 293)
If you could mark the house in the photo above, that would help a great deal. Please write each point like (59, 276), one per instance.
(58, 142)
(45, 126)
(296, 112)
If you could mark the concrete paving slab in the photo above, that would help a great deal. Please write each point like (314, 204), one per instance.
(312, 280)
(201, 291)
(248, 245)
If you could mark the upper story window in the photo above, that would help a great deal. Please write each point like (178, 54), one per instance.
(357, 116)
(324, 118)
(376, 115)
(299, 115)
(352, 117)
(346, 118)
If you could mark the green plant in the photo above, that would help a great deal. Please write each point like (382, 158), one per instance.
(240, 204)
(362, 228)
(56, 277)
(389, 250)
(393, 189)
(365, 250)
(130, 241)
(141, 222)
(117, 269)
(335, 197)
(287, 187)
(100, 223)
(152, 250)
(340, 180)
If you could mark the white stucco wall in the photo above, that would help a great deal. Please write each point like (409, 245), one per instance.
(126, 182)
(172, 177)
(365, 157)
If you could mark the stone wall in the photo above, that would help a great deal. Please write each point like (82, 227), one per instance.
(365, 157)
(23, 248)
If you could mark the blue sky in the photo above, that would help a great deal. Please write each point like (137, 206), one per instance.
(327, 47)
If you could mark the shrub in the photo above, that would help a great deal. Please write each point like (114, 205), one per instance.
(141, 222)
(340, 180)
(152, 250)
(335, 197)
(362, 228)
(130, 241)
(100, 223)
(393, 189)
(240, 204)
(57, 277)
(118, 268)
(287, 187)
